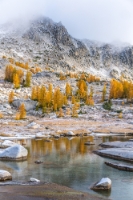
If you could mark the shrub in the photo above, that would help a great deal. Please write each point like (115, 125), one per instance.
(107, 105)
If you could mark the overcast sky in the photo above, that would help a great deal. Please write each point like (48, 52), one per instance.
(101, 20)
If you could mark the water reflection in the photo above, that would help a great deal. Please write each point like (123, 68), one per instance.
(69, 162)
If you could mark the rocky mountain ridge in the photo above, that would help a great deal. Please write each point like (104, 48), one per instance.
(49, 44)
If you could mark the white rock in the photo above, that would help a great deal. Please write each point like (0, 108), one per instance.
(34, 180)
(70, 133)
(40, 135)
(33, 125)
(5, 175)
(103, 184)
(7, 143)
(16, 152)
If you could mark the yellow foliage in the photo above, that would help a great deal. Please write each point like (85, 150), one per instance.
(62, 77)
(22, 111)
(1, 115)
(120, 115)
(60, 113)
(28, 79)
(74, 110)
(17, 117)
(89, 101)
(68, 90)
(16, 81)
(121, 89)
(11, 97)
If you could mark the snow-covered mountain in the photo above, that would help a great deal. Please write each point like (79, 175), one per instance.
(47, 43)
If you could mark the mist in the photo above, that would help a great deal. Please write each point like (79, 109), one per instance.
(99, 20)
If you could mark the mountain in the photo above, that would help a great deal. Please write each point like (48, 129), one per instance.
(47, 43)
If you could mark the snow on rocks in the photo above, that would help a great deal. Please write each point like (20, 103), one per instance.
(34, 180)
(70, 133)
(5, 175)
(29, 104)
(125, 154)
(15, 152)
(117, 144)
(7, 143)
(103, 184)
(33, 125)
(40, 135)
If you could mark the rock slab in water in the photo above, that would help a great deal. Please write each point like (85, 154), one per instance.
(120, 166)
(117, 144)
(16, 152)
(89, 143)
(125, 154)
(103, 184)
(5, 175)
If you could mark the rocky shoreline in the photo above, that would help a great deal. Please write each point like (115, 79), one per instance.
(47, 191)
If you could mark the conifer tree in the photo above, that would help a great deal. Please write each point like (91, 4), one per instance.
(28, 79)
(11, 97)
(68, 90)
(16, 81)
(104, 92)
(73, 99)
(60, 113)
(74, 110)
(22, 111)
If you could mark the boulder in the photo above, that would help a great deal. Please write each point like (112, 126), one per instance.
(15, 152)
(103, 184)
(29, 104)
(5, 175)
(70, 133)
(33, 125)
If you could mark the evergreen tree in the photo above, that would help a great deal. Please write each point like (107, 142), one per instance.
(11, 97)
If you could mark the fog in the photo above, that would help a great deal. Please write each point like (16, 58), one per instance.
(101, 20)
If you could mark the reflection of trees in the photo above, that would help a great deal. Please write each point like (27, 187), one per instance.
(62, 146)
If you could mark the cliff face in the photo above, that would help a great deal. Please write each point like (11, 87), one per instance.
(48, 43)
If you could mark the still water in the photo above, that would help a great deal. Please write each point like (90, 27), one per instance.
(67, 161)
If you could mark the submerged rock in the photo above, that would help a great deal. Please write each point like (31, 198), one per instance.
(5, 175)
(103, 184)
(38, 162)
(16, 152)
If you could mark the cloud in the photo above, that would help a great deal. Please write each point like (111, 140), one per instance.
(22, 10)
(102, 20)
